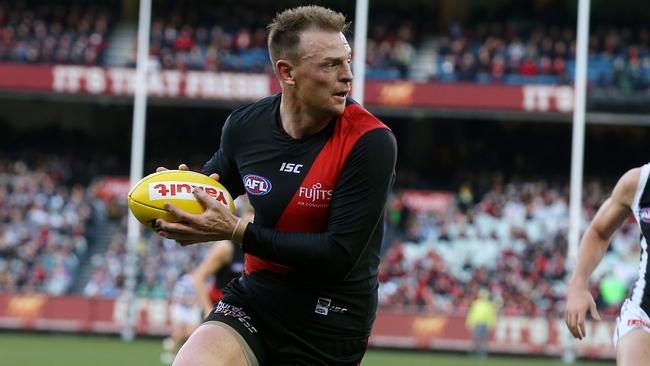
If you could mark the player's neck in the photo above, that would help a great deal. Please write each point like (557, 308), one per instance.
(298, 122)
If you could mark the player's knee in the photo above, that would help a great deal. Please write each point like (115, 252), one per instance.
(633, 349)
(211, 345)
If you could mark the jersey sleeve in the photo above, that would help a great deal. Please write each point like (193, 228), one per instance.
(356, 209)
(223, 161)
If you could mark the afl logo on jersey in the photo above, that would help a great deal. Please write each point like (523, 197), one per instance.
(644, 214)
(256, 185)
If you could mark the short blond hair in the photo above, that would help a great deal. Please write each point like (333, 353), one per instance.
(285, 29)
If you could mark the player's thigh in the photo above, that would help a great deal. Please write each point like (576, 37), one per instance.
(634, 348)
(211, 345)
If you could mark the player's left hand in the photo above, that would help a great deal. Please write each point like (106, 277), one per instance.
(215, 223)
(579, 301)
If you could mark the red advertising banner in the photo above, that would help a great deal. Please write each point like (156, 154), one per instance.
(111, 188)
(427, 201)
(81, 314)
(243, 87)
(437, 332)
(519, 335)
(530, 98)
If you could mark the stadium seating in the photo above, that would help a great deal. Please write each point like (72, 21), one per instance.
(430, 264)
(160, 263)
(43, 227)
(537, 54)
(520, 232)
(63, 34)
(485, 53)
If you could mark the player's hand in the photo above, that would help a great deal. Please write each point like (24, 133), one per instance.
(578, 302)
(180, 167)
(184, 167)
(215, 223)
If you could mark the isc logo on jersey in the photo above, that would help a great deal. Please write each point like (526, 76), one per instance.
(256, 185)
(183, 191)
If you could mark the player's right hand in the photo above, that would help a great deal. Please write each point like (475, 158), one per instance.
(180, 167)
(184, 167)
(578, 302)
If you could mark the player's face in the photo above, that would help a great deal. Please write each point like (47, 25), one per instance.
(323, 75)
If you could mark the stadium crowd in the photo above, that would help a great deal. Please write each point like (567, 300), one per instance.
(43, 227)
(188, 41)
(161, 262)
(512, 241)
(508, 52)
(510, 238)
(54, 34)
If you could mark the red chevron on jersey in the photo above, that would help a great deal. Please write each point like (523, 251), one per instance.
(309, 208)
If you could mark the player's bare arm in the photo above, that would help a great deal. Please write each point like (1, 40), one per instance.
(593, 245)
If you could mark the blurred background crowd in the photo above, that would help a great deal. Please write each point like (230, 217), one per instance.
(503, 226)
(232, 37)
(57, 237)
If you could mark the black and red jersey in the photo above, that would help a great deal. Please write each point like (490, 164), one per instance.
(313, 251)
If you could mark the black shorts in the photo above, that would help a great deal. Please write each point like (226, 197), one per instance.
(276, 343)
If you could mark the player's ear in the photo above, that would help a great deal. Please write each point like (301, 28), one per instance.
(285, 72)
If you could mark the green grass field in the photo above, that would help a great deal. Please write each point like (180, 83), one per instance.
(29, 349)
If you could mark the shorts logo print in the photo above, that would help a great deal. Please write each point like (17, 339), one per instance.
(638, 322)
(235, 312)
(323, 306)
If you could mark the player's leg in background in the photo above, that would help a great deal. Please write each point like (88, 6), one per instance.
(171, 343)
(211, 345)
(185, 319)
(193, 318)
(634, 349)
(481, 340)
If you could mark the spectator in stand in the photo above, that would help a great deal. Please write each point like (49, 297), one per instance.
(528, 67)
(468, 68)
(498, 69)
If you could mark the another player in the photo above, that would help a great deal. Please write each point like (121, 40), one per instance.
(185, 316)
(317, 168)
(631, 195)
(224, 262)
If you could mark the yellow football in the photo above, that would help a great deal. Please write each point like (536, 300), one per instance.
(148, 197)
